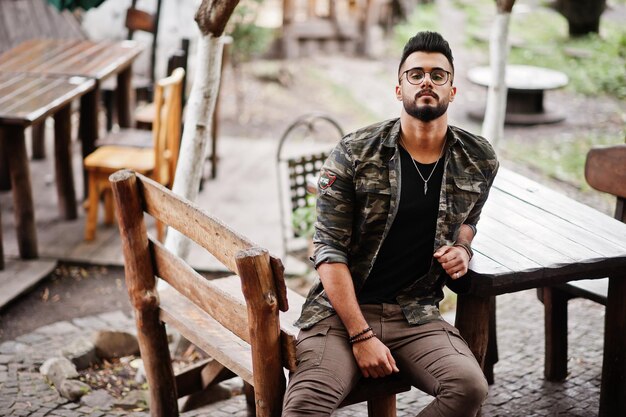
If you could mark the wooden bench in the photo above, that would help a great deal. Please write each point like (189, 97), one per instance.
(605, 170)
(243, 322)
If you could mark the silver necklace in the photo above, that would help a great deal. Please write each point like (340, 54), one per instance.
(418, 170)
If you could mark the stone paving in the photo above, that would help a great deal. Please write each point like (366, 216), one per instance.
(519, 389)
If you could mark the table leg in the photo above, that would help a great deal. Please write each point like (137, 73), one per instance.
(15, 145)
(66, 194)
(5, 177)
(1, 244)
(613, 388)
(125, 98)
(472, 320)
(88, 127)
(39, 140)
(555, 312)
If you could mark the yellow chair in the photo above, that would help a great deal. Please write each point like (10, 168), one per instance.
(157, 162)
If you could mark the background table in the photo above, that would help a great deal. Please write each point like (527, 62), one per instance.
(97, 60)
(26, 99)
(529, 237)
(526, 85)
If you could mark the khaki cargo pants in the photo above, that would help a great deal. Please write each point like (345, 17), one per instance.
(433, 356)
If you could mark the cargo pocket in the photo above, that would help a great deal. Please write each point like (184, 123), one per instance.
(457, 342)
(310, 346)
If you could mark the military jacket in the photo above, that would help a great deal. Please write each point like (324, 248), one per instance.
(358, 198)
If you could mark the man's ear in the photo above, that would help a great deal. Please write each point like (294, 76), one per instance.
(399, 93)
(452, 93)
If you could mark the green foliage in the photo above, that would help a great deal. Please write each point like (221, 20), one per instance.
(424, 17)
(562, 157)
(249, 39)
(303, 218)
(594, 63)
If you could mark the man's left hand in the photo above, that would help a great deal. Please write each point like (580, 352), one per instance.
(454, 260)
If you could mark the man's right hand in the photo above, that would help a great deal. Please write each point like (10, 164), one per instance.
(374, 358)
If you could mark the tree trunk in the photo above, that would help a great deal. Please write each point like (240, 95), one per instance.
(212, 16)
(493, 124)
(583, 16)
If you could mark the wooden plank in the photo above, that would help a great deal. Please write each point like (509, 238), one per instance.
(207, 333)
(549, 201)
(223, 306)
(207, 231)
(19, 276)
(568, 238)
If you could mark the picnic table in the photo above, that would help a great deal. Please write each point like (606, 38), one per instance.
(97, 60)
(530, 236)
(526, 85)
(26, 99)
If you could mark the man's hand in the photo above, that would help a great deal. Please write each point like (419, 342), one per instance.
(374, 358)
(454, 260)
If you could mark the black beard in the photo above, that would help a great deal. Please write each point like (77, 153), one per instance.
(426, 113)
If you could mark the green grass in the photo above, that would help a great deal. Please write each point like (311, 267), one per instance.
(595, 64)
(424, 17)
(561, 158)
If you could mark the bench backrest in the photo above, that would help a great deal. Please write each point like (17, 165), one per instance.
(256, 321)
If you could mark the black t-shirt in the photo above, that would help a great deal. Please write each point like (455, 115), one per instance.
(407, 251)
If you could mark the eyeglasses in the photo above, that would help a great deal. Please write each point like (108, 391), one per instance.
(416, 76)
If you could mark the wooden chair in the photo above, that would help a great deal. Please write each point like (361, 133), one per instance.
(605, 170)
(159, 161)
(142, 21)
(244, 322)
(144, 115)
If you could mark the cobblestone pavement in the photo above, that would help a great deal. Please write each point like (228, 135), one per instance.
(519, 389)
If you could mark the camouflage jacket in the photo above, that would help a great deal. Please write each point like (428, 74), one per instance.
(358, 198)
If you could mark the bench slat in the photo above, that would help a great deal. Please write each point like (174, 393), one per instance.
(591, 289)
(226, 307)
(207, 231)
(206, 333)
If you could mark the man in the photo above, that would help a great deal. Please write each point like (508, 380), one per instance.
(397, 210)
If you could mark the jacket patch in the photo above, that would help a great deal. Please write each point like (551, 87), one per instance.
(326, 180)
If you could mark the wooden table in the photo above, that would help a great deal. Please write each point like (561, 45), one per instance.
(98, 60)
(529, 237)
(526, 85)
(26, 99)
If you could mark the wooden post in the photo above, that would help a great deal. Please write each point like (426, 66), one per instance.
(1, 244)
(555, 312)
(491, 356)
(39, 139)
(88, 127)
(5, 176)
(144, 297)
(613, 387)
(382, 406)
(472, 320)
(125, 97)
(15, 147)
(66, 193)
(259, 289)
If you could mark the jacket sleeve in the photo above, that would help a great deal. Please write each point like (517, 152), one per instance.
(474, 216)
(335, 205)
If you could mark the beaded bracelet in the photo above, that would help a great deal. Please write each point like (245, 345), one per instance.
(362, 338)
(369, 329)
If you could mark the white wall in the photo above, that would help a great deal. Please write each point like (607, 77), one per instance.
(176, 22)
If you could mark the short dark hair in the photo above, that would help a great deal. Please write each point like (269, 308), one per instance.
(427, 42)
